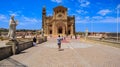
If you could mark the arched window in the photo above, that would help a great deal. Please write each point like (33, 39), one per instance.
(59, 10)
(62, 11)
(59, 15)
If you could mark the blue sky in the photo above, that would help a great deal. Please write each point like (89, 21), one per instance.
(94, 15)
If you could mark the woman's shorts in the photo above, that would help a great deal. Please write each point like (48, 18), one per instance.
(59, 43)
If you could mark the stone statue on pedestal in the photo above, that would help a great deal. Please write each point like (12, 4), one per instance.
(86, 34)
(42, 32)
(12, 35)
(12, 28)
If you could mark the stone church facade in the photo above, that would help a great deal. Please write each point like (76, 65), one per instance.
(58, 24)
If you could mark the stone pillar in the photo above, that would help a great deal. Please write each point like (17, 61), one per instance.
(47, 29)
(66, 29)
(56, 29)
(53, 28)
(71, 29)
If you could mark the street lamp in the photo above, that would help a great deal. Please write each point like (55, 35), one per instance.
(117, 20)
(42, 32)
(86, 33)
(91, 28)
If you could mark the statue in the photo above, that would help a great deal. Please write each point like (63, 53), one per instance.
(12, 28)
(42, 32)
(86, 34)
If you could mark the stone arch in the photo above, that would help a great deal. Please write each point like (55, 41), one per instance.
(60, 28)
(69, 32)
(50, 31)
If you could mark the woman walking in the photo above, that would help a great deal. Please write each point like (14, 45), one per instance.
(59, 42)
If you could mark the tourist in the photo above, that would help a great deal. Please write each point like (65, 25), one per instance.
(59, 42)
(71, 36)
(75, 36)
(34, 41)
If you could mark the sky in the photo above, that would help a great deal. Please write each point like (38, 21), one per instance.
(94, 15)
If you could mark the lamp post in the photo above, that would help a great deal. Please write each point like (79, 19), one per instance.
(86, 33)
(91, 29)
(42, 32)
(117, 21)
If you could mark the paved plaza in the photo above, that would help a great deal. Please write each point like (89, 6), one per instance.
(74, 53)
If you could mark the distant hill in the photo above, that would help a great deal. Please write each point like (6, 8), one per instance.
(3, 30)
(24, 30)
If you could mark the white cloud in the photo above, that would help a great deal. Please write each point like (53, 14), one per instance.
(14, 13)
(49, 14)
(109, 20)
(57, 1)
(84, 3)
(104, 12)
(81, 20)
(81, 11)
(97, 19)
(69, 9)
(87, 17)
(23, 20)
(3, 18)
(33, 20)
(118, 6)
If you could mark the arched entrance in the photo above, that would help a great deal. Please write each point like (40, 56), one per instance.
(68, 32)
(50, 31)
(60, 30)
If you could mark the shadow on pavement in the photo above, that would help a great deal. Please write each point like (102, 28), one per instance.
(21, 53)
(9, 62)
(61, 50)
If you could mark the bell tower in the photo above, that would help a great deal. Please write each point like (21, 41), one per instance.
(43, 17)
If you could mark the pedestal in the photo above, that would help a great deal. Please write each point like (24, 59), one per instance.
(14, 45)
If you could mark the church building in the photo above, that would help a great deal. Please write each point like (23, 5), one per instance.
(58, 24)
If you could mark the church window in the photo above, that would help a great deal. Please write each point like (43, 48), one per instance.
(68, 25)
(50, 25)
(59, 10)
(62, 11)
(59, 15)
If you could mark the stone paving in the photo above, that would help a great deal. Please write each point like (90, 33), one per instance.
(75, 53)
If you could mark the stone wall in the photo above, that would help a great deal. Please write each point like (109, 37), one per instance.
(24, 46)
(41, 40)
(5, 52)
